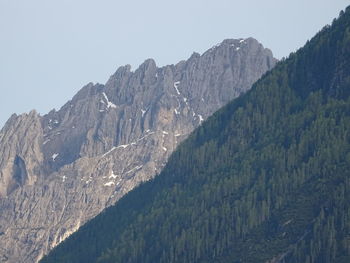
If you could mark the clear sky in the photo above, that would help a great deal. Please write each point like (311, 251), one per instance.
(49, 49)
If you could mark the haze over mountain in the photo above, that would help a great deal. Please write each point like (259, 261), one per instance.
(59, 170)
(265, 179)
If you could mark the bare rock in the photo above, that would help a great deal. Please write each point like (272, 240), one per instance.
(60, 170)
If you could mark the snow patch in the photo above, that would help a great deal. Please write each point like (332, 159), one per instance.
(237, 48)
(176, 84)
(115, 147)
(200, 118)
(122, 146)
(134, 169)
(54, 156)
(164, 132)
(109, 103)
(45, 142)
(165, 149)
(142, 112)
(64, 178)
(113, 176)
(288, 222)
(127, 145)
(109, 183)
(108, 152)
(140, 139)
(178, 134)
(176, 112)
(242, 40)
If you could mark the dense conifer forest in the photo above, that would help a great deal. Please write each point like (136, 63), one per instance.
(265, 179)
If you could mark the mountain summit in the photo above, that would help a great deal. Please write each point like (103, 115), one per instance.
(59, 170)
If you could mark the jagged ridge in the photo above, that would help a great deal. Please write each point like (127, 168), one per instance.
(61, 169)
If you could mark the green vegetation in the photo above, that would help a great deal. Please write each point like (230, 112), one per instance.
(265, 179)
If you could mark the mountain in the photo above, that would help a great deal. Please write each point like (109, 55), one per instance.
(59, 170)
(265, 179)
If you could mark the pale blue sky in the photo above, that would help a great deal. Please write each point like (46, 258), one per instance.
(49, 49)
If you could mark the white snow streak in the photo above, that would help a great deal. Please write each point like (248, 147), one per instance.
(111, 150)
(200, 118)
(45, 142)
(109, 104)
(122, 146)
(143, 112)
(127, 145)
(113, 176)
(54, 156)
(140, 139)
(134, 169)
(176, 84)
(109, 183)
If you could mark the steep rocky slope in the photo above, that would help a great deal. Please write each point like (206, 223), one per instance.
(59, 170)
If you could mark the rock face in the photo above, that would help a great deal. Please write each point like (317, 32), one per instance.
(59, 170)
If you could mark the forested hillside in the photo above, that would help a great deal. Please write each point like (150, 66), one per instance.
(265, 179)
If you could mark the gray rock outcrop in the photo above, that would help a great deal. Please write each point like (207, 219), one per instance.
(59, 170)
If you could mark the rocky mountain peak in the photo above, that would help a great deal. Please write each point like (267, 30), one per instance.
(61, 169)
